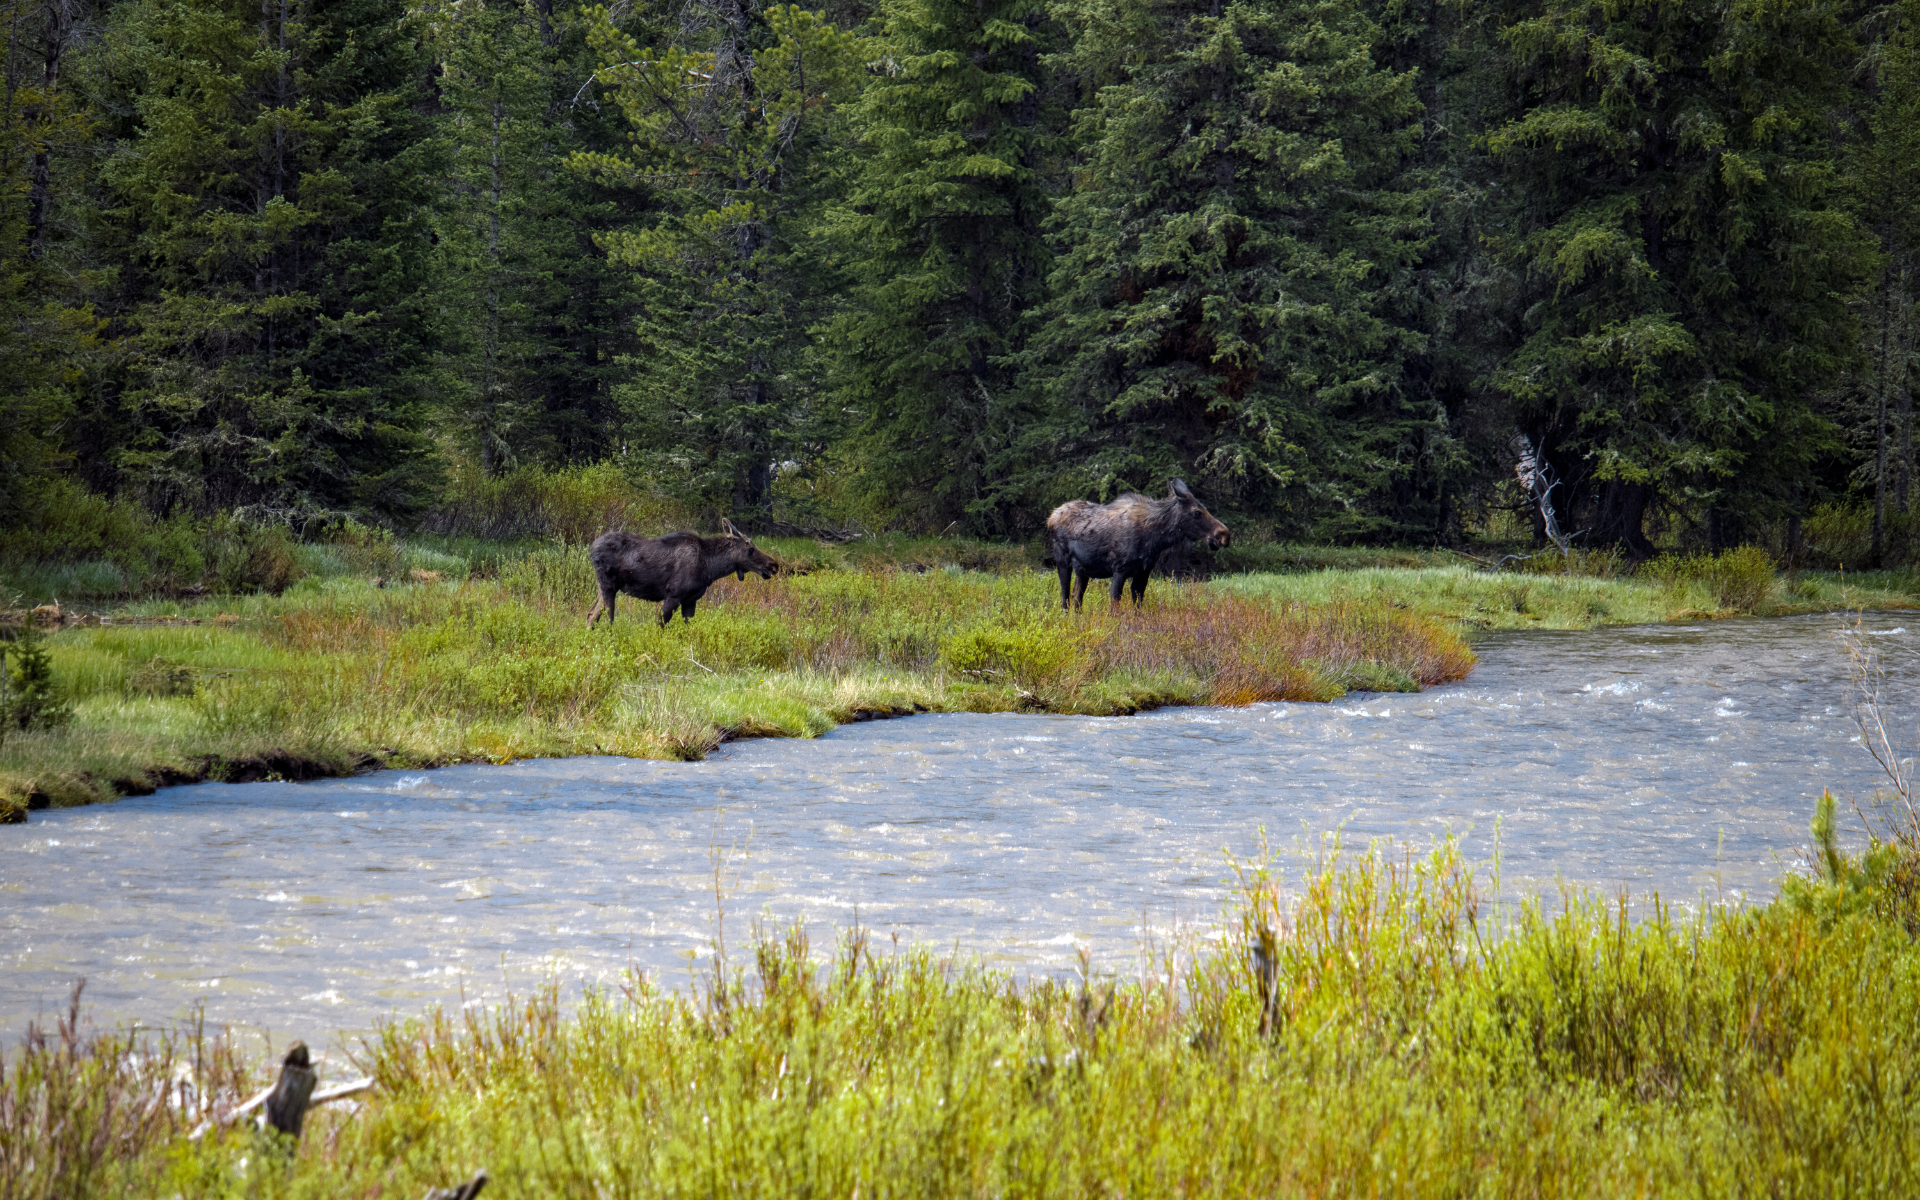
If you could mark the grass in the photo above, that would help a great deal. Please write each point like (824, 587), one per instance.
(1378, 1028)
(447, 649)
(1515, 600)
(337, 673)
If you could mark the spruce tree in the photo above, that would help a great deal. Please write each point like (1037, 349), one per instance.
(1221, 305)
(269, 205)
(728, 118)
(939, 229)
(49, 337)
(1884, 174)
(1688, 265)
(528, 306)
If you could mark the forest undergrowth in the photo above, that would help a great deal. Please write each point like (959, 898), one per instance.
(1379, 1024)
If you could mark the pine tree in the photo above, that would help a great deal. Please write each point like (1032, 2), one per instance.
(940, 232)
(1884, 170)
(728, 119)
(269, 206)
(1688, 264)
(48, 334)
(521, 286)
(1222, 306)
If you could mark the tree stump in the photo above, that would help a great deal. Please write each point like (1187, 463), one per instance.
(287, 1103)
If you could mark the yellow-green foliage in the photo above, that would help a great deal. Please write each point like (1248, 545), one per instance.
(1740, 579)
(1483, 599)
(1377, 1029)
(1840, 537)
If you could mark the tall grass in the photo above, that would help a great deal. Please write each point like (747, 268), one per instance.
(1376, 1028)
(337, 671)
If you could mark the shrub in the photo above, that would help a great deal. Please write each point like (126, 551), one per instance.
(574, 504)
(1740, 579)
(33, 699)
(1840, 537)
(252, 558)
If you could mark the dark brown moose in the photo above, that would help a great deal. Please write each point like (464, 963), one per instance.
(1123, 539)
(676, 569)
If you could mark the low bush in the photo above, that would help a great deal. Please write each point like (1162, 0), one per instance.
(1740, 579)
(571, 504)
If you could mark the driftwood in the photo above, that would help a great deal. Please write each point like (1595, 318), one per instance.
(462, 1191)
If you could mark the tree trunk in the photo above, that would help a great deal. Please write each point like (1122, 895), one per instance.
(1620, 515)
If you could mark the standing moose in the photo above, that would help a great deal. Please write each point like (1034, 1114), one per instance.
(676, 569)
(1122, 540)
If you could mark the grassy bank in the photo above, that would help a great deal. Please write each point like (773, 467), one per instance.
(433, 668)
(1480, 599)
(1377, 1029)
(447, 649)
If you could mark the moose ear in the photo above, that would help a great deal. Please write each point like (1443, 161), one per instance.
(1180, 489)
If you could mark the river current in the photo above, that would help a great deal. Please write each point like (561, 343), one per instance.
(1682, 759)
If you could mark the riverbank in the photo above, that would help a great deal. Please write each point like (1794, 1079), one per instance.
(1377, 1026)
(426, 656)
(338, 674)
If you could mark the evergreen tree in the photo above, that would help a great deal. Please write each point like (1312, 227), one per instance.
(728, 119)
(529, 307)
(1222, 303)
(940, 231)
(1885, 176)
(48, 335)
(269, 205)
(1688, 266)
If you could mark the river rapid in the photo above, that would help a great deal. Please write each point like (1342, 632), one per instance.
(1682, 759)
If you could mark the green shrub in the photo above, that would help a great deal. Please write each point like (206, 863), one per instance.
(252, 558)
(33, 699)
(1740, 579)
(1032, 653)
(573, 504)
(1840, 537)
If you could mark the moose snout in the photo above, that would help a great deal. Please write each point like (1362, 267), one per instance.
(1220, 538)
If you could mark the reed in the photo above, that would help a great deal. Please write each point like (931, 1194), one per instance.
(1368, 1025)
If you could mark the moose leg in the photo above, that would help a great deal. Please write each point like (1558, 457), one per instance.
(1079, 589)
(1066, 585)
(1139, 582)
(608, 596)
(667, 607)
(1119, 586)
(686, 606)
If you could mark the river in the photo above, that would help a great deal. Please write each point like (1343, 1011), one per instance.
(1683, 759)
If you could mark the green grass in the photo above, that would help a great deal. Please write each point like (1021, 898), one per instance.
(336, 673)
(1376, 1027)
(1511, 600)
(448, 649)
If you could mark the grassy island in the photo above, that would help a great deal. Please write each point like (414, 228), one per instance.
(412, 655)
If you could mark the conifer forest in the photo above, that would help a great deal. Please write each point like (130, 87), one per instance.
(942, 264)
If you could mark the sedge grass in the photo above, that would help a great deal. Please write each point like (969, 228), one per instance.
(336, 672)
(1378, 1028)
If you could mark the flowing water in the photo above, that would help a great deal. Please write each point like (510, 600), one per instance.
(1679, 758)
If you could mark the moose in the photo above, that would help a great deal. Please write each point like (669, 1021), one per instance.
(1122, 540)
(676, 569)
